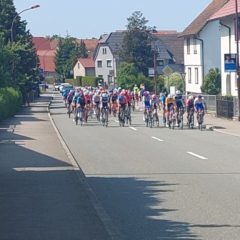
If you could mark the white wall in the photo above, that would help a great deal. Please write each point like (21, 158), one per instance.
(207, 55)
(78, 70)
(229, 83)
(104, 57)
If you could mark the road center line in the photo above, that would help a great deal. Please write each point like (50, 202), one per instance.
(158, 139)
(196, 155)
(133, 128)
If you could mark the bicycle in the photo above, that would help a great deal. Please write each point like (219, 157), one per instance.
(105, 116)
(155, 118)
(149, 118)
(180, 117)
(79, 115)
(172, 118)
(190, 118)
(121, 117)
(127, 115)
(200, 114)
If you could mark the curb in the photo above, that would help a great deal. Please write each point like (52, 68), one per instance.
(106, 220)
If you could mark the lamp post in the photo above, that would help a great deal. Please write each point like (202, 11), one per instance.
(24, 10)
(237, 60)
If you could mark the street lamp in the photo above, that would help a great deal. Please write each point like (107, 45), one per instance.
(35, 6)
(237, 60)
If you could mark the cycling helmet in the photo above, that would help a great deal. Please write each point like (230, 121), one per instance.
(170, 96)
(154, 96)
(178, 92)
(146, 93)
(199, 96)
(190, 97)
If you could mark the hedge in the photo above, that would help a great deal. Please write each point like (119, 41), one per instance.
(10, 102)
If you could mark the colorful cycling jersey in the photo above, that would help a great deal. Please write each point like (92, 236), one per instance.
(169, 101)
(147, 101)
(179, 101)
(199, 104)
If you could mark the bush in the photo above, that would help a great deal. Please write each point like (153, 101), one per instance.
(89, 81)
(10, 102)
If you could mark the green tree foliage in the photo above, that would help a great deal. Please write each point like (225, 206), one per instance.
(212, 82)
(175, 79)
(82, 50)
(136, 46)
(66, 56)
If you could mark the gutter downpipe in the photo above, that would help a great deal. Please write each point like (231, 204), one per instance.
(202, 46)
(229, 34)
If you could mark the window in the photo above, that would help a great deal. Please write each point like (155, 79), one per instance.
(196, 75)
(195, 46)
(188, 45)
(160, 62)
(99, 63)
(189, 75)
(78, 65)
(109, 63)
(110, 79)
(104, 51)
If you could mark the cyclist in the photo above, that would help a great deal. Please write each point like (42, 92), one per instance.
(122, 102)
(179, 105)
(199, 104)
(136, 93)
(189, 105)
(169, 103)
(113, 102)
(146, 99)
(162, 100)
(104, 100)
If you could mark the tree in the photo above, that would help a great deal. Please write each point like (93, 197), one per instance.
(66, 56)
(136, 47)
(82, 50)
(127, 75)
(212, 82)
(18, 57)
(175, 79)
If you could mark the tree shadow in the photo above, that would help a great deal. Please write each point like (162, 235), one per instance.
(136, 211)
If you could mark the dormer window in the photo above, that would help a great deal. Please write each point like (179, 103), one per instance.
(104, 51)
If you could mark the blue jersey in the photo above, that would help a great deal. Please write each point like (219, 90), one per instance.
(179, 101)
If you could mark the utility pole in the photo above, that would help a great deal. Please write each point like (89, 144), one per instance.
(155, 70)
(237, 60)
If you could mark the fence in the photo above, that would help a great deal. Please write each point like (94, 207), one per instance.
(225, 107)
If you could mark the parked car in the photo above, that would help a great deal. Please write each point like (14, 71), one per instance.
(57, 84)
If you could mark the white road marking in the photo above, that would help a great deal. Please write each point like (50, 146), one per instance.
(158, 139)
(116, 121)
(133, 128)
(196, 155)
(44, 169)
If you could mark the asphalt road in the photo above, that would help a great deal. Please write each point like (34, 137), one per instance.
(158, 183)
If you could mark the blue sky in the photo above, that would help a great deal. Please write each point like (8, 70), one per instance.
(87, 19)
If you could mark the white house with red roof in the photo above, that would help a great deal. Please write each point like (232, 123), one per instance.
(202, 46)
(225, 16)
(84, 67)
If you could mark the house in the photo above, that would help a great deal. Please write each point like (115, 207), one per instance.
(169, 51)
(46, 50)
(84, 67)
(226, 16)
(167, 44)
(106, 56)
(202, 46)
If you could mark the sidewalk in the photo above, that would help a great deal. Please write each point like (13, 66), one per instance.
(221, 125)
(41, 194)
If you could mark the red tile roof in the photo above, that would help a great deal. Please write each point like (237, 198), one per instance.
(90, 44)
(227, 10)
(47, 60)
(196, 26)
(87, 62)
